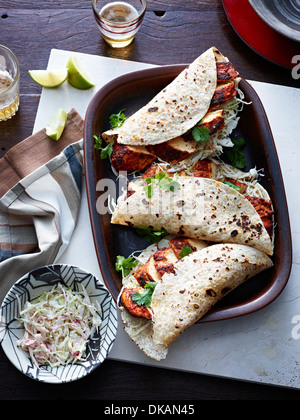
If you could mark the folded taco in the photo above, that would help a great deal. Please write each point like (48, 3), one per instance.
(204, 95)
(176, 283)
(202, 205)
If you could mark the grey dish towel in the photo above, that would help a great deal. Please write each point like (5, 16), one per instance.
(40, 190)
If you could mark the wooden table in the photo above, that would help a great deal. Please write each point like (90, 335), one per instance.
(174, 31)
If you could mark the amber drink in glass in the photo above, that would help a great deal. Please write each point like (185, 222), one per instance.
(119, 21)
(9, 83)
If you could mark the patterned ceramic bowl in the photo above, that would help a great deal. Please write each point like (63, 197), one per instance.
(32, 285)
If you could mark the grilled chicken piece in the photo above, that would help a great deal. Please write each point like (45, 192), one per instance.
(214, 121)
(174, 150)
(139, 311)
(130, 158)
(179, 242)
(223, 93)
(205, 169)
(161, 262)
(164, 260)
(265, 209)
(155, 169)
(226, 71)
(151, 171)
(147, 272)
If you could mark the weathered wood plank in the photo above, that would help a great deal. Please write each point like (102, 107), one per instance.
(86, 4)
(159, 40)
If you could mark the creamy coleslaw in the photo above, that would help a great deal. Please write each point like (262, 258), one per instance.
(58, 326)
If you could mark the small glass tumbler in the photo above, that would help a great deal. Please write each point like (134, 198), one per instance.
(9, 83)
(119, 21)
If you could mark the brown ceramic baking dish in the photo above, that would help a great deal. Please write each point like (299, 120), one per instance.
(130, 92)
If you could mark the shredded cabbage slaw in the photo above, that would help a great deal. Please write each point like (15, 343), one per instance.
(58, 326)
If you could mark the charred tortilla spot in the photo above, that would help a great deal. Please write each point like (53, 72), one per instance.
(234, 233)
(153, 109)
(181, 231)
(211, 292)
(180, 203)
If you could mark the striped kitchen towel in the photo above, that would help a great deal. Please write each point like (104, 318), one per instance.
(40, 190)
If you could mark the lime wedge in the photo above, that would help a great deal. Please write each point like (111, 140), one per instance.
(77, 76)
(49, 78)
(56, 126)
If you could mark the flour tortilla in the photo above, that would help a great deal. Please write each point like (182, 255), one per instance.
(182, 298)
(174, 110)
(201, 280)
(202, 208)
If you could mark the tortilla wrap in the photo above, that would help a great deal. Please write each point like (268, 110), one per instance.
(174, 110)
(183, 297)
(201, 208)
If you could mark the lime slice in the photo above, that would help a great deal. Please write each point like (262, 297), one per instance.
(77, 76)
(56, 126)
(49, 78)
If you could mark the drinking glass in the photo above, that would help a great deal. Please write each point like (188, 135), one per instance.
(119, 21)
(9, 83)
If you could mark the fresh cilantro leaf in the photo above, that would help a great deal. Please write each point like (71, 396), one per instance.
(125, 264)
(150, 235)
(164, 182)
(116, 120)
(149, 187)
(145, 297)
(239, 143)
(106, 151)
(200, 134)
(173, 185)
(185, 250)
(160, 176)
(235, 155)
(97, 142)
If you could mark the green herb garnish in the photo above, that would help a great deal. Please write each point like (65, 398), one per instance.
(105, 151)
(185, 250)
(235, 155)
(149, 187)
(125, 264)
(145, 297)
(163, 181)
(151, 235)
(236, 187)
(116, 120)
(200, 133)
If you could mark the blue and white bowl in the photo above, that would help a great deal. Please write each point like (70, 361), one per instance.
(31, 286)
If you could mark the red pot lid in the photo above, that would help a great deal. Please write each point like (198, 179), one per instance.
(259, 36)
